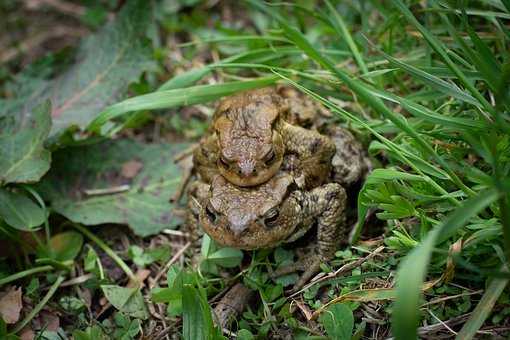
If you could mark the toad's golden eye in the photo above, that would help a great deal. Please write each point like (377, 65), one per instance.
(270, 157)
(211, 214)
(271, 217)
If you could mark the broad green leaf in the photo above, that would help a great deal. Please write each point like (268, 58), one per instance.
(22, 154)
(376, 177)
(63, 247)
(412, 270)
(226, 257)
(91, 333)
(127, 300)
(106, 63)
(196, 315)
(177, 97)
(119, 181)
(338, 321)
(19, 211)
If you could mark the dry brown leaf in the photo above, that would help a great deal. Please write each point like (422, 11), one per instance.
(27, 334)
(131, 169)
(10, 305)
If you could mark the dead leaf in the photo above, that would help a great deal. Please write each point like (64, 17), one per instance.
(141, 275)
(27, 334)
(10, 305)
(131, 168)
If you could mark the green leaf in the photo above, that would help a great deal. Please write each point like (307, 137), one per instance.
(177, 97)
(176, 278)
(127, 300)
(63, 247)
(115, 182)
(196, 316)
(413, 268)
(22, 155)
(91, 333)
(185, 79)
(483, 308)
(19, 211)
(338, 321)
(338, 24)
(226, 257)
(245, 334)
(433, 81)
(440, 49)
(376, 177)
(106, 63)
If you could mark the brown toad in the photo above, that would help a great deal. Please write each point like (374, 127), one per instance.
(272, 213)
(253, 131)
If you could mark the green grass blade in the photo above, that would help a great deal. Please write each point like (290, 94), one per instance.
(404, 155)
(485, 60)
(177, 97)
(360, 89)
(507, 4)
(433, 81)
(185, 79)
(483, 308)
(413, 268)
(438, 47)
(341, 29)
(427, 114)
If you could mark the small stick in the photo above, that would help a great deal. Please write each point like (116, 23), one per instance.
(341, 270)
(232, 304)
(169, 263)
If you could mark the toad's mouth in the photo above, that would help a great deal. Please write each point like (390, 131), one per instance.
(253, 237)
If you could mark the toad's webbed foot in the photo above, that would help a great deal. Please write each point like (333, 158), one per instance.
(309, 266)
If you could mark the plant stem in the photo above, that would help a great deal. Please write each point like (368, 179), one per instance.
(40, 305)
(109, 251)
(24, 273)
(504, 206)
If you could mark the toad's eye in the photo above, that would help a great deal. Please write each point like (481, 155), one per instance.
(211, 214)
(224, 162)
(271, 217)
(270, 157)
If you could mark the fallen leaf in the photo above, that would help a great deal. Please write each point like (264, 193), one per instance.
(131, 168)
(10, 305)
(107, 62)
(27, 334)
(144, 205)
(23, 157)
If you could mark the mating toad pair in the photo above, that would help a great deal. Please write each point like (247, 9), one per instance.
(267, 175)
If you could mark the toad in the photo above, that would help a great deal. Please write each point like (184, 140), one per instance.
(253, 131)
(275, 212)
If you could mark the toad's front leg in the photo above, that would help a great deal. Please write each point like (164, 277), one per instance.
(326, 205)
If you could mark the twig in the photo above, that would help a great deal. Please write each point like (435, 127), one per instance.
(451, 297)
(341, 270)
(107, 191)
(441, 322)
(77, 280)
(61, 6)
(169, 263)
